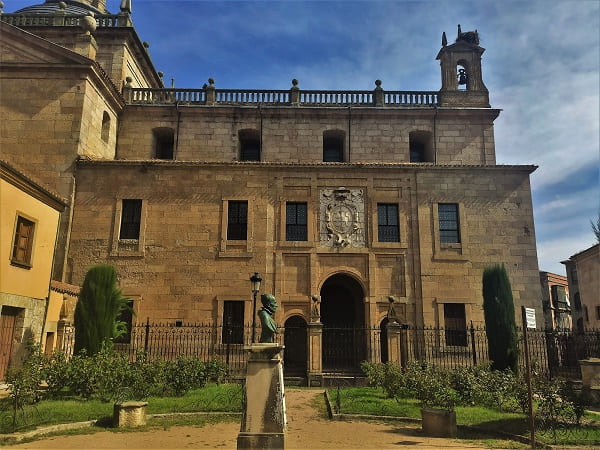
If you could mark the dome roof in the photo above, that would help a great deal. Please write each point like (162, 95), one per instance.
(74, 7)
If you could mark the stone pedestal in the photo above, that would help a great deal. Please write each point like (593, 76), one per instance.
(315, 354)
(129, 414)
(263, 419)
(438, 423)
(393, 342)
(590, 379)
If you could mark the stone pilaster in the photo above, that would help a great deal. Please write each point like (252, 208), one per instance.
(394, 345)
(315, 354)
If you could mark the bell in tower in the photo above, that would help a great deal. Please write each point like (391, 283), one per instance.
(462, 84)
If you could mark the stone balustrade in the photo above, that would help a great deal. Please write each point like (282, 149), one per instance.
(209, 95)
(63, 20)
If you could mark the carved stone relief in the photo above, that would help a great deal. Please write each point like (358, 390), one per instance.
(342, 218)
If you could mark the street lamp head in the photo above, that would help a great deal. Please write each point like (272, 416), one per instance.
(255, 281)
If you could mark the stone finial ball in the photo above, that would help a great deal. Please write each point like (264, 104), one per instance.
(378, 83)
(62, 5)
(1, 5)
(211, 81)
(146, 45)
(295, 82)
(161, 74)
(88, 23)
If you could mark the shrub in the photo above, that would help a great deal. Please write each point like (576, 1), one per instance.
(374, 373)
(56, 373)
(499, 312)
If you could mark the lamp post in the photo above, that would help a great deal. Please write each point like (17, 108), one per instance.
(255, 282)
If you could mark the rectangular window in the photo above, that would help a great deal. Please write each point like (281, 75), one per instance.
(126, 316)
(237, 220)
(387, 222)
(249, 145)
(296, 221)
(333, 146)
(597, 312)
(23, 244)
(448, 221)
(131, 216)
(455, 324)
(233, 322)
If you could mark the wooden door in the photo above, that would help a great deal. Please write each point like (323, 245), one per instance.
(7, 332)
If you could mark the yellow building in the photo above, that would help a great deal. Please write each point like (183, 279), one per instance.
(29, 219)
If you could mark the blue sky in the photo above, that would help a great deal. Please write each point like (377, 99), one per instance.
(541, 67)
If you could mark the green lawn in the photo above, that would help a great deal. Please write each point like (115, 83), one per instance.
(373, 401)
(224, 397)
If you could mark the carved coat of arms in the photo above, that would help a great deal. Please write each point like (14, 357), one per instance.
(342, 214)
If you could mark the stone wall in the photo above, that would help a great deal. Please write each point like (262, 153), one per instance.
(183, 268)
(205, 133)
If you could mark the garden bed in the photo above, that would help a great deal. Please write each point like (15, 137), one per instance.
(373, 403)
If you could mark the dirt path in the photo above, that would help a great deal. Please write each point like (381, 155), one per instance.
(306, 430)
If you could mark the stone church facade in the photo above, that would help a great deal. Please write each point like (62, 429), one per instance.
(348, 196)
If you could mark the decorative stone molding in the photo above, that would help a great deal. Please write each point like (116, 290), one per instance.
(342, 213)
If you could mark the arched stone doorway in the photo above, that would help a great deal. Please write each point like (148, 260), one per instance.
(295, 341)
(343, 318)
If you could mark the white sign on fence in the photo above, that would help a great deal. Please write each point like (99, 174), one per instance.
(530, 317)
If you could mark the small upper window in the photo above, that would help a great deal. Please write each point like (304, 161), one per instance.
(455, 324)
(105, 126)
(249, 145)
(387, 222)
(164, 140)
(448, 223)
(333, 146)
(420, 143)
(237, 220)
(296, 221)
(131, 216)
(23, 245)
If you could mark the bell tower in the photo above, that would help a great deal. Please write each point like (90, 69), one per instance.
(462, 84)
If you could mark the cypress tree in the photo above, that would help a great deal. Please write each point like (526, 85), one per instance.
(98, 307)
(500, 326)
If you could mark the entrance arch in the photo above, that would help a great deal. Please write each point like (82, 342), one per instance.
(343, 318)
(295, 341)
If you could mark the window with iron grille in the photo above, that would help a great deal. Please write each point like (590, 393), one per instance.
(233, 322)
(237, 220)
(387, 222)
(131, 216)
(23, 245)
(296, 221)
(448, 222)
(455, 324)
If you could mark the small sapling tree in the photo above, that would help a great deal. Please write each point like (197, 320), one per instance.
(499, 311)
(98, 308)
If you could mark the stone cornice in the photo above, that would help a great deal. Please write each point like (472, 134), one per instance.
(417, 167)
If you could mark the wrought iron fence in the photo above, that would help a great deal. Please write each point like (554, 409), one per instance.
(553, 353)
